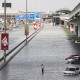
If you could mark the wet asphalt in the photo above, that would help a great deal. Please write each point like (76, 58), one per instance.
(50, 47)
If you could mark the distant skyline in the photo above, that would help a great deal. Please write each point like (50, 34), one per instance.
(41, 5)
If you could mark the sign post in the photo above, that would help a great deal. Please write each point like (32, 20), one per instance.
(26, 26)
(4, 36)
(4, 27)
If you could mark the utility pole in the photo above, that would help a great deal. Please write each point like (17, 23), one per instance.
(26, 18)
(4, 27)
(4, 16)
(26, 25)
(5, 36)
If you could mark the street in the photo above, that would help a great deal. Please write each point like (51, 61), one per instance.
(50, 48)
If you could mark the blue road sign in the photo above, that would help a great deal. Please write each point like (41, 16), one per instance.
(20, 17)
(32, 16)
(37, 15)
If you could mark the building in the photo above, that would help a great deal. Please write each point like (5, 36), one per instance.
(56, 18)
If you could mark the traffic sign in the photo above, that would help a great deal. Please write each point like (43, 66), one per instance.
(4, 41)
(34, 15)
(20, 17)
(6, 5)
(37, 15)
(31, 16)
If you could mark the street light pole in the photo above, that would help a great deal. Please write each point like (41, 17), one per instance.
(26, 19)
(4, 27)
(26, 25)
(4, 16)
(26, 12)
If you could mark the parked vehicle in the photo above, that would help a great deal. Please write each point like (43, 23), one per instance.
(71, 56)
(71, 71)
(74, 60)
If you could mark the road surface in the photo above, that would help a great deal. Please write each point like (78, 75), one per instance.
(50, 47)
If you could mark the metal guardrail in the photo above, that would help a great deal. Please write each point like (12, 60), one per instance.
(17, 50)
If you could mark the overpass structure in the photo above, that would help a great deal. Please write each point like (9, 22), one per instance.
(60, 16)
(75, 12)
(74, 18)
(71, 20)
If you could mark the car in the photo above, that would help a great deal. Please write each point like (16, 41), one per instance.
(74, 60)
(74, 57)
(71, 71)
(71, 56)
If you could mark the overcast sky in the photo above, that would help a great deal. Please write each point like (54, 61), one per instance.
(41, 5)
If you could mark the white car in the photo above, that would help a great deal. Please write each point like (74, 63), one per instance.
(71, 71)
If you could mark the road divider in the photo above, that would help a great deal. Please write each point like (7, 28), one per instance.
(11, 54)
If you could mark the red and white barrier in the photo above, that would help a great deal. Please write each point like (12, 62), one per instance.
(35, 26)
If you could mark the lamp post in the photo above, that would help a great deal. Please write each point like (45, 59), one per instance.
(5, 36)
(26, 12)
(26, 25)
(4, 16)
(4, 27)
(26, 19)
